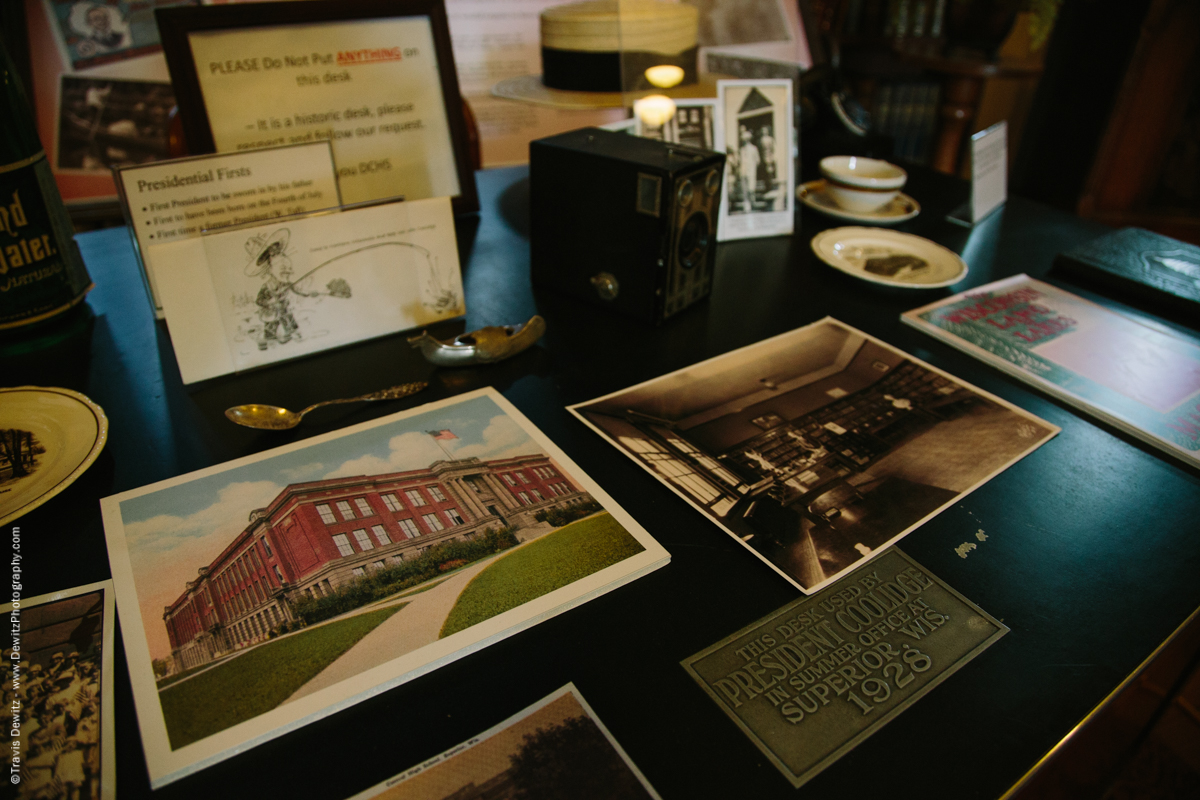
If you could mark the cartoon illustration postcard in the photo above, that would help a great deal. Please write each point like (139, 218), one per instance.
(243, 298)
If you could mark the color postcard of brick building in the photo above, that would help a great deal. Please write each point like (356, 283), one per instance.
(265, 593)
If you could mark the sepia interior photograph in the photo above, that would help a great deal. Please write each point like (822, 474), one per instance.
(817, 448)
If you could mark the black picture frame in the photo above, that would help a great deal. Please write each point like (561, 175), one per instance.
(175, 25)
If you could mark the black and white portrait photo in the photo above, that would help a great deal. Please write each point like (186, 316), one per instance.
(102, 28)
(757, 127)
(695, 124)
(95, 32)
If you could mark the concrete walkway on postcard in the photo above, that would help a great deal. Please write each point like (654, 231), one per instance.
(410, 628)
(417, 624)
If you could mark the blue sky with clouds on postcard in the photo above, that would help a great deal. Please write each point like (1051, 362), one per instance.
(173, 531)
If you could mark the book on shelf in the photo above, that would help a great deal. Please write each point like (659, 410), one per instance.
(926, 124)
(883, 107)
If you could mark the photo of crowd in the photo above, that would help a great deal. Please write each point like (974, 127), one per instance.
(52, 695)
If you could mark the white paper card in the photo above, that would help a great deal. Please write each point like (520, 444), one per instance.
(171, 200)
(268, 293)
(989, 170)
(756, 198)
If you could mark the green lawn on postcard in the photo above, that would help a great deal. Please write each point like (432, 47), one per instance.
(553, 561)
(254, 683)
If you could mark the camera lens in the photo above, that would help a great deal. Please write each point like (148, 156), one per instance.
(693, 240)
(713, 181)
(686, 192)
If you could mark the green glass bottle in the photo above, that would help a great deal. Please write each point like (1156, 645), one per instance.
(41, 272)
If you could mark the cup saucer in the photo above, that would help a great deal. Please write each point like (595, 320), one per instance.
(814, 195)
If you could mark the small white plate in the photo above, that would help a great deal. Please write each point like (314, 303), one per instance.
(890, 258)
(68, 429)
(900, 209)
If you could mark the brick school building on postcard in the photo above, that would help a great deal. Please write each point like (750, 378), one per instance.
(316, 536)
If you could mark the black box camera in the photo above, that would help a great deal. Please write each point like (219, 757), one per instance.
(624, 222)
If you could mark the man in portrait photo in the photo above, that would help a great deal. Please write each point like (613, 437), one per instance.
(103, 28)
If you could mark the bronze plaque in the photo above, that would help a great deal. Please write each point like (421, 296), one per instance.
(810, 681)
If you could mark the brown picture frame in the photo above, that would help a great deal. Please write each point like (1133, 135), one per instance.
(178, 23)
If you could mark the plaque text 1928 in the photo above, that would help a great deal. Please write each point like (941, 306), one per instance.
(813, 679)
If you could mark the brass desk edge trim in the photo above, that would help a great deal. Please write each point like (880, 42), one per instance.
(1101, 706)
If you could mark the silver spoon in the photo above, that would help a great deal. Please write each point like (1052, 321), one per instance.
(274, 418)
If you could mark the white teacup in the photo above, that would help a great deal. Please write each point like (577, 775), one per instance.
(862, 184)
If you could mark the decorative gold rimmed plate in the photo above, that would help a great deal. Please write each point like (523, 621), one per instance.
(901, 208)
(890, 258)
(48, 437)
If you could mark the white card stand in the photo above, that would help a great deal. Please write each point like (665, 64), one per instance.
(989, 176)
(238, 298)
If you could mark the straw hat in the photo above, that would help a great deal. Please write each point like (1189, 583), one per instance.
(593, 49)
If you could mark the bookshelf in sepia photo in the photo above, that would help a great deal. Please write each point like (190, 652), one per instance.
(818, 448)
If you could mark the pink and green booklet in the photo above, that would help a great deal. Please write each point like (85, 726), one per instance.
(1142, 379)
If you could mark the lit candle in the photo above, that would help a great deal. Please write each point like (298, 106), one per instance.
(654, 110)
(664, 76)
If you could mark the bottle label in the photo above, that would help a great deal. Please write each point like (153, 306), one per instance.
(41, 271)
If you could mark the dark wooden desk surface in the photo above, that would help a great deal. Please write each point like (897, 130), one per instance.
(1092, 559)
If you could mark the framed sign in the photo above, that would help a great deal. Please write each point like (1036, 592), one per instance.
(374, 77)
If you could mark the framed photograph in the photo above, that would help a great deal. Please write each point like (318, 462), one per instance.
(695, 123)
(372, 555)
(60, 681)
(375, 77)
(61, 76)
(94, 32)
(769, 30)
(556, 747)
(110, 122)
(818, 448)
(756, 198)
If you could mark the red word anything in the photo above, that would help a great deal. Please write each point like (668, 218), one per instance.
(369, 56)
